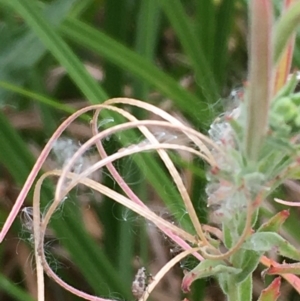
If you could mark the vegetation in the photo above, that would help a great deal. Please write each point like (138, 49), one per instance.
(208, 200)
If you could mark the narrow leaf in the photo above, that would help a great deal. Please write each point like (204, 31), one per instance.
(38, 97)
(147, 35)
(274, 223)
(265, 241)
(205, 23)
(227, 234)
(284, 65)
(224, 22)
(287, 89)
(271, 293)
(250, 261)
(285, 28)
(286, 268)
(205, 269)
(245, 289)
(290, 278)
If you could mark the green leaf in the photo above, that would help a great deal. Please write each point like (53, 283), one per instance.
(249, 261)
(228, 240)
(265, 241)
(80, 7)
(234, 291)
(205, 23)
(274, 224)
(287, 89)
(115, 26)
(147, 36)
(272, 292)
(284, 28)
(245, 289)
(205, 269)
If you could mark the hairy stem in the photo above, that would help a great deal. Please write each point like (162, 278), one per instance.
(260, 77)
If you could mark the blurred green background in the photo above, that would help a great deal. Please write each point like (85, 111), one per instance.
(58, 56)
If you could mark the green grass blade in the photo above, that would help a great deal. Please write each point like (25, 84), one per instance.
(80, 7)
(147, 35)
(60, 50)
(205, 28)
(21, 50)
(225, 18)
(13, 290)
(48, 117)
(38, 97)
(120, 55)
(190, 43)
(115, 25)
(148, 23)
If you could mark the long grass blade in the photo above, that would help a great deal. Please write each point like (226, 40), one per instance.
(108, 48)
(190, 43)
(60, 50)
